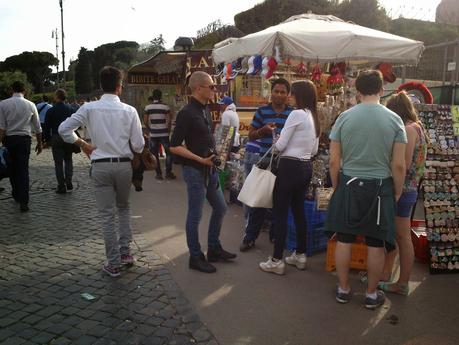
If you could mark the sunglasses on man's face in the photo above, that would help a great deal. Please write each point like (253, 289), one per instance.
(212, 87)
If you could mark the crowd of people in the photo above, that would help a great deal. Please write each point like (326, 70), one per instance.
(377, 156)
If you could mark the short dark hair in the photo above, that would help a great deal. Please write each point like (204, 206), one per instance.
(45, 98)
(369, 82)
(18, 86)
(110, 78)
(157, 95)
(61, 94)
(280, 81)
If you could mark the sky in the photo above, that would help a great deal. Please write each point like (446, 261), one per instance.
(27, 25)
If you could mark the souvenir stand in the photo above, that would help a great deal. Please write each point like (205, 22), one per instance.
(324, 49)
(440, 188)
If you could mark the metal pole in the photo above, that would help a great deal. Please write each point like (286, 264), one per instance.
(62, 33)
(57, 56)
(445, 65)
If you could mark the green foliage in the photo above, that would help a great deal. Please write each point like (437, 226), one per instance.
(7, 78)
(367, 13)
(84, 72)
(34, 64)
(427, 32)
(211, 38)
(147, 50)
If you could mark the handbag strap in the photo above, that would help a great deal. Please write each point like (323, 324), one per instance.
(263, 157)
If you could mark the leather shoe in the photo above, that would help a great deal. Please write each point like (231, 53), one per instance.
(24, 207)
(61, 190)
(219, 254)
(200, 264)
(246, 246)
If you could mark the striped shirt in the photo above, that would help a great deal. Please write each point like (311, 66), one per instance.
(265, 115)
(158, 119)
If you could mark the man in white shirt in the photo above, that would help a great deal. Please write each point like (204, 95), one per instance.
(114, 128)
(18, 119)
(230, 118)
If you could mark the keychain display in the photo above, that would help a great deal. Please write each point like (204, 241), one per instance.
(440, 187)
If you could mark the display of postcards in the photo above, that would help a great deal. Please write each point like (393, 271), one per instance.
(224, 138)
(440, 188)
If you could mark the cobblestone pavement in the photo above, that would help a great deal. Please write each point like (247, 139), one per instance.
(54, 253)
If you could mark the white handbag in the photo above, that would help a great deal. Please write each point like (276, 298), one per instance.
(257, 190)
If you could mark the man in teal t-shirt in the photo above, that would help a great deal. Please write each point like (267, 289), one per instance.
(368, 146)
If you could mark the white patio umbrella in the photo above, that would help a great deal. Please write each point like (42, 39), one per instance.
(310, 37)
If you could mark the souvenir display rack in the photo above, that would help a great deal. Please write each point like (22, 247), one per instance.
(440, 188)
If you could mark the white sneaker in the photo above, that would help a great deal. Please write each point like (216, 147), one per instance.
(277, 267)
(298, 260)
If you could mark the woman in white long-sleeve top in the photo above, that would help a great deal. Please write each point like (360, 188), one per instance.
(298, 143)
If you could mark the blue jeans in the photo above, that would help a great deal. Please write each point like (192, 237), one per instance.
(155, 144)
(199, 188)
(255, 217)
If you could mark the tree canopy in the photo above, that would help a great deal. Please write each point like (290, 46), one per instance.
(34, 64)
(7, 78)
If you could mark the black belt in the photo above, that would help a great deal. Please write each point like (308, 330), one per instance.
(112, 160)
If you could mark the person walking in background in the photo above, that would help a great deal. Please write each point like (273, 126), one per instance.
(62, 151)
(18, 120)
(368, 144)
(194, 127)
(158, 118)
(267, 121)
(116, 132)
(297, 144)
(42, 109)
(230, 118)
(415, 158)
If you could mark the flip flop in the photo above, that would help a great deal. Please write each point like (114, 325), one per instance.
(392, 287)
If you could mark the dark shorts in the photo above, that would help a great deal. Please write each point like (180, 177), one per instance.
(350, 238)
(406, 203)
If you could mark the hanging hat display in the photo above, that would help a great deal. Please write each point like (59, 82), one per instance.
(219, 69)
(229, 71)
(272, 65)
(316, 74)
(386, 70)
(264, 67)
(244, 65)
(251, 65)
(237, 65)
(257, 64)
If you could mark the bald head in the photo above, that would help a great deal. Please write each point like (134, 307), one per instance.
(199, 78)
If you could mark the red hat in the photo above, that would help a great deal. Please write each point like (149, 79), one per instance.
(386, 70)
(272, 65)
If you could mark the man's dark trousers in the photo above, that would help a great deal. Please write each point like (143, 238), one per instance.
(155, 144)
(62, 155)
(19, 152)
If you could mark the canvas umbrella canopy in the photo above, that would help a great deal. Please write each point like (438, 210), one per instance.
(310, 37)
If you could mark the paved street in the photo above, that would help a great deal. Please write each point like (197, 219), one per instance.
(54, 253)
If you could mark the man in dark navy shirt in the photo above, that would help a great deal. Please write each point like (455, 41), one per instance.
(267, 122)
(62, 152)
(194, 129)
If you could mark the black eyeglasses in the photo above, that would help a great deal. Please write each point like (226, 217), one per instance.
(213, 87)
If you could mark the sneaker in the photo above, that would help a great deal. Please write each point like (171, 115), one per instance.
(372, 304)
(219, 254)
(298, 260)
(159, 177)
(199, 263)
(342, 297)
(171, 176)
(246, 245)
(277, 267)
(127, 259)
(112, 271)
(61, 190)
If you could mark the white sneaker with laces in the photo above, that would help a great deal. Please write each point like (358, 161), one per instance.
(298, 260)
(277, 267)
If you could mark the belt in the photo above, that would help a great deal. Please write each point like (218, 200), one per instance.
(295, 158)
(111, 160)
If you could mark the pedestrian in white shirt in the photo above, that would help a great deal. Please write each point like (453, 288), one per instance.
(298, 143)
(230, 118)
(114, 128)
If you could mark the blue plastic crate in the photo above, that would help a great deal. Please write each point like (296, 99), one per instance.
(315, 238)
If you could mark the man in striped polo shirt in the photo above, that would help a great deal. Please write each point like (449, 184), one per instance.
(158, 119)
(267, 122)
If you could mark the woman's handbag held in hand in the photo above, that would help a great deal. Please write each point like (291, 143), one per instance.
(258, 187)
